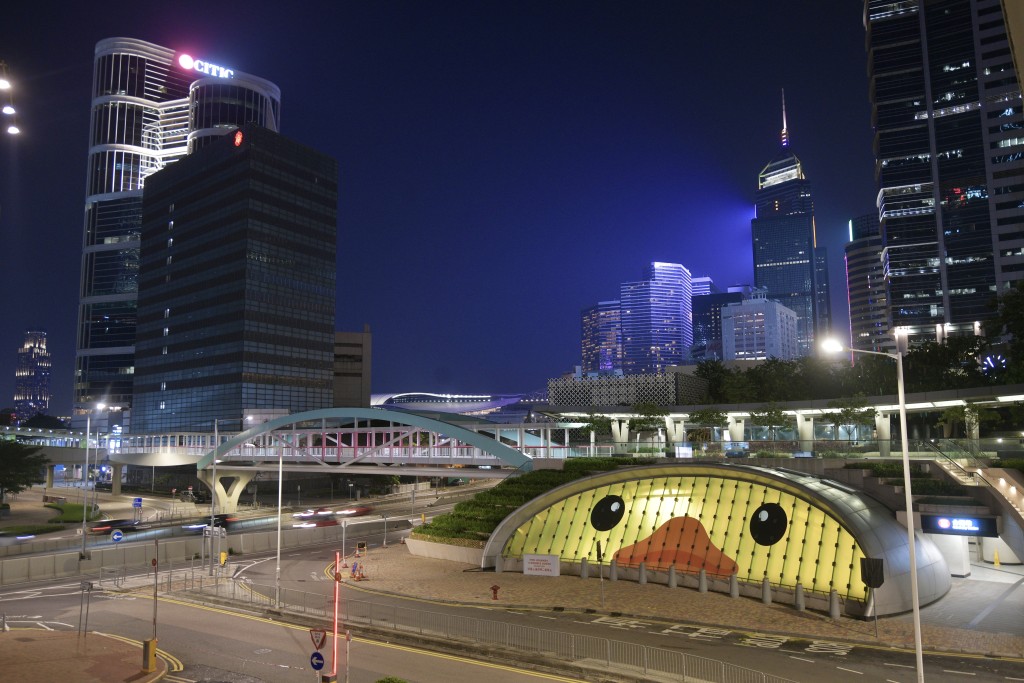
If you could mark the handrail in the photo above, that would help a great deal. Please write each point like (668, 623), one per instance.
(928, 445)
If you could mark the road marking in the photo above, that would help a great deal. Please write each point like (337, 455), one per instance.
(802, 659)
(859, 673)
(541, 616)
(902, 666)
(42, 625)
(963, 673)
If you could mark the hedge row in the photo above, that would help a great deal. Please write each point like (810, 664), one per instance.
(475, 519)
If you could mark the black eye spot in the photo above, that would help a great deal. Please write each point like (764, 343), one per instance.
(607, 513)
(768, 524)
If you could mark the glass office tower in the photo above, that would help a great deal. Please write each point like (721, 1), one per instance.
(32, 377)
(655, 314)
(949, 141)
(789, 267)
(150, 107)
(237, 284)
(601, 338)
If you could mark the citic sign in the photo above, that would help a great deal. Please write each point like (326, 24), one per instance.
(202, 67)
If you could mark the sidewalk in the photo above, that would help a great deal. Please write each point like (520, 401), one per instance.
(39, 655)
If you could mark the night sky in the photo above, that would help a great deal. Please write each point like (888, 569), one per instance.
(503, 164)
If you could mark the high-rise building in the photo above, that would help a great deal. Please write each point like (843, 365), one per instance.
(353, 355)
(150, 107)
(655, 314)
(707, 324)
(601, 338)
(947, 111)
(32, 377)
(788, 265)
(236, 284)
(759, 328)
(704, 285)
(865, 282)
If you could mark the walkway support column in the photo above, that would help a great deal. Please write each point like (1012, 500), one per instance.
(883, 429)
(805, 431)
(115, 478)
(736, 428)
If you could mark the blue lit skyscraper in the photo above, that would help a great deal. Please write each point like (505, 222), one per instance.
(655, 313)
(788, 265)
(601, 337)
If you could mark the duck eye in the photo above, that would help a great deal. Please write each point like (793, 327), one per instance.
(607, 513)
(768, 524)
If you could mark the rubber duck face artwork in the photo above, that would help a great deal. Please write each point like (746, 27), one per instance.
(723, 525)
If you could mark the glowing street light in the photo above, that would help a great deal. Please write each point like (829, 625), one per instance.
(834, 346)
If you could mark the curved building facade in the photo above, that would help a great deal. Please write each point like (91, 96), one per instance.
(759, 525)
(149, 106)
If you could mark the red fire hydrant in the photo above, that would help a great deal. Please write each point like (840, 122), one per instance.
(494, 591)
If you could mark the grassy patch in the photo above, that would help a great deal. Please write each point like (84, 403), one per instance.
(69, 513)
(31, 529)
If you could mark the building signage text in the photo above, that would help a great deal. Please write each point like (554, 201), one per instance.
(204, 67)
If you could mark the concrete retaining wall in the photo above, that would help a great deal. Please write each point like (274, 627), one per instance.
(174, 552)
(443, 551)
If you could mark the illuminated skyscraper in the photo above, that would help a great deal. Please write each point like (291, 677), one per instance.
(150, 107)
(655, 313)
(601, 338)
(759, 328)
(865, 281)
(788, 265)
(949, 142)
(32, 377)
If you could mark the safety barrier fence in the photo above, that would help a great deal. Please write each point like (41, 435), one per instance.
(583, 650)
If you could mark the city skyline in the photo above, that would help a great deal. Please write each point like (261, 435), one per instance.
(501, 167)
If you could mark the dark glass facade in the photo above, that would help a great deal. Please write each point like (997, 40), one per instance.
(707, 323)
(237, 284)
(789, 267)
(601, 338)
(869, 320)
(947, 114)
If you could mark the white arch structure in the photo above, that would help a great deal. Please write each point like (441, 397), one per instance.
(288, 432)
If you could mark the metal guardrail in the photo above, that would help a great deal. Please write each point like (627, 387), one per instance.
(591, 651)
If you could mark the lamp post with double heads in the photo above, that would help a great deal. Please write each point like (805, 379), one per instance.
(834, 346)
(85, 471)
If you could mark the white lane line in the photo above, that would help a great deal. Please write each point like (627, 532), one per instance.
(859, 673)
(902, 666)
(962, 673)
(802, 659)
(540, 616)
(41, 624)
(795, 652)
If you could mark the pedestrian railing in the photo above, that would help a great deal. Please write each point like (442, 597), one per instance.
(589, 651)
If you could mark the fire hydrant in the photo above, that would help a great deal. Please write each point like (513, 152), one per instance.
(494, 591)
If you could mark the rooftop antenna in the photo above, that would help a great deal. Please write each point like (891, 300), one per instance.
(785, 133)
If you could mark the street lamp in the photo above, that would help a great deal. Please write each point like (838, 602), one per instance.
(85, 470)
(834, 346)
(213, 494)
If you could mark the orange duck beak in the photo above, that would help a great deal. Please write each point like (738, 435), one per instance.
(681, 542)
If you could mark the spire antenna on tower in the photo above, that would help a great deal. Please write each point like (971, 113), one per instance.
(785, 133)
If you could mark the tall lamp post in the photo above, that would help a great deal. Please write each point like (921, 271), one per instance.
(834, 346)
(85, 471)
(213, 492)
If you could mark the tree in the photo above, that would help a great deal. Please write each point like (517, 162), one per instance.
(600, 425)
(970, 416)
(20, 467)
(40, 421)
(850, 412)
(650, 416)
(952, 364)
(706, 419)
(1007, 326)
(770, 416)
(715, 374)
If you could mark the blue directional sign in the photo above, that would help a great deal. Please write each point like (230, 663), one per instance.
(136, 502)
(116, 536)
(316, 660)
